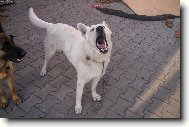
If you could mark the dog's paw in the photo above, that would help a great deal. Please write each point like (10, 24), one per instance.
(17, 101)
(3, 105)
(96, 97)
(43, 72)
(78, 109)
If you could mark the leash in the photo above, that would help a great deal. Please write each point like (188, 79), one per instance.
(120, 13)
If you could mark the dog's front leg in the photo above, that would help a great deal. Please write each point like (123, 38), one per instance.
(79, 93)
(4, 100)
(95, 95)
(15, 97)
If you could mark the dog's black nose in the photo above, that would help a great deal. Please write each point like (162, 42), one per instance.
(23, 53)
(99, 29)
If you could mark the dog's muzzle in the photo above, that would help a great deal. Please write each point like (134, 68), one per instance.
(101, 42)
(16, 55)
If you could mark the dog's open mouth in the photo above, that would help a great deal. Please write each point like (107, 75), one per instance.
(101, 44)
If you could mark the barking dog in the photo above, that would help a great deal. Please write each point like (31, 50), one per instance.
(88, 49)
(9, 53)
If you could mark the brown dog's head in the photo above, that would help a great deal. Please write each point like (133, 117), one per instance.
(8, 49)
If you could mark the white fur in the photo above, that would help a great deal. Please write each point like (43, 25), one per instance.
(77, 45)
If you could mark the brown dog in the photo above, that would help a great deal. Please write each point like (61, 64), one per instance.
(9, 53)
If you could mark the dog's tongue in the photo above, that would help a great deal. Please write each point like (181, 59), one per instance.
(101, 43)
(101, 46)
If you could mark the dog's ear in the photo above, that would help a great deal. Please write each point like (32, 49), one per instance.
(104, 23)
(82, 28)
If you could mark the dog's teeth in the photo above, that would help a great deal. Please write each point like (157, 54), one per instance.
(102, 50)
(97, 44)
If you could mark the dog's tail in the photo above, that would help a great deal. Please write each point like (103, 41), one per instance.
(37, 21)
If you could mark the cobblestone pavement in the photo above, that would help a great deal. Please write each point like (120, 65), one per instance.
(141, 81)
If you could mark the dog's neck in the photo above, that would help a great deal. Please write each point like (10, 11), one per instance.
(94, 55)
(3, 63)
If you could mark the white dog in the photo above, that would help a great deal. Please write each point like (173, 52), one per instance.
(88, 49)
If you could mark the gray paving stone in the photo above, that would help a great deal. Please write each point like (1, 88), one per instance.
(73, 115)
(65, 106)
(113, 94)
(55, 72)
(112, 115)
(129, 114)
(47, 104)
(138, 84)
(42, 81)
(117, 73)
(16, 113)
(11, 105)
(61, 92)
(157, 107)
(29, 103)
(150, 115)
(3, 113)
(163, 94)
(53, 114)
(138, 107)
(130, 94)
(120, 106)
(25, 81)
(59, 81)
(26, 70)
(30, 89)
(93, 114)
(105, 104)
(122, 83)
(38, 63)
(35, 113)
(45, 91)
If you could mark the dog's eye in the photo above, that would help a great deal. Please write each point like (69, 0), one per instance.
(92, 29)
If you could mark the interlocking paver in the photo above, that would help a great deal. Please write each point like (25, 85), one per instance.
(129, 114)
(30, 89)
(61, 92)
(16, 113)
(111, 114)
(122, 83)
(42, 81)
(130, 94)
(150, 115)
(120, 106)
(142, 79)
(47, 104)
(53, 113)
(35, 113)
(29, 103)
(138, 107)
(113, 94)
(44, 92)
(59, 81)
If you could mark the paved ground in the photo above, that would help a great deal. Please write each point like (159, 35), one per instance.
(142, 79)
